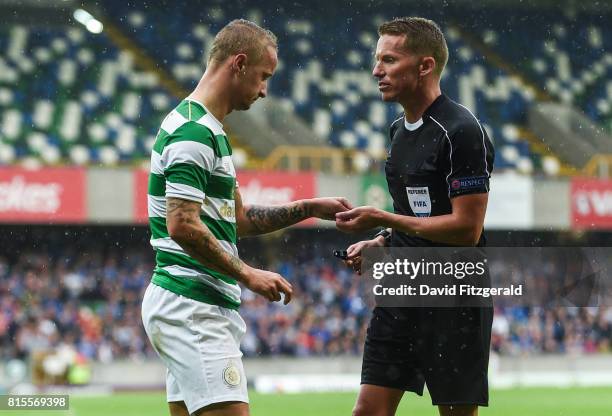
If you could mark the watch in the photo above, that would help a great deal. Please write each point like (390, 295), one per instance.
(386, 235)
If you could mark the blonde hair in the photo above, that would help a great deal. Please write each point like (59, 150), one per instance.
(241, 36)
(423, 37)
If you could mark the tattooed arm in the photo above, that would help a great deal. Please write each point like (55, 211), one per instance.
(189, 232)
(256, 219)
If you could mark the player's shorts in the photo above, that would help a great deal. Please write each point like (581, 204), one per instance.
(200, 345)
(447, 348)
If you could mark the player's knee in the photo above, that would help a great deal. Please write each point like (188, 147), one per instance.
(359, 410)
(224, 409)
(364, 409)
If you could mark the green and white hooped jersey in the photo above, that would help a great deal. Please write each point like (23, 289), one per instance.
(191, 160)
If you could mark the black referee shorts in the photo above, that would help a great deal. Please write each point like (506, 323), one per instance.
(447, 348)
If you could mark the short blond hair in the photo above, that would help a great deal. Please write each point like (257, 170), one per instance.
(423, 37)
(241, 36)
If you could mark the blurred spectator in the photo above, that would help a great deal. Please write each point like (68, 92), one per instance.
(91, 303)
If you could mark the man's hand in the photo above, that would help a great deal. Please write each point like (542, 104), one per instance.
(326, 208)
(354, 252)
(268, 284)
(359, 219)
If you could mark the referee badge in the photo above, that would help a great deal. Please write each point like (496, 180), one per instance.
(419, 200)
(231, 375)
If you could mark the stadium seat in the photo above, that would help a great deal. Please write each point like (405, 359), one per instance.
(70, 96)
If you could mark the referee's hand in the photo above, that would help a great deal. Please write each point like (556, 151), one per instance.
(354, 252)
(358, 219)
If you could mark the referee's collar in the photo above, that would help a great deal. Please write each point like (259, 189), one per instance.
(413, 126)
(435, 105)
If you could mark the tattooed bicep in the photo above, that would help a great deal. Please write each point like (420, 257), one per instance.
(178, 206)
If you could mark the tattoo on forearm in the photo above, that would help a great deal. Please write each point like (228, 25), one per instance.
(205, 248)
(236, 263)
(267, 219)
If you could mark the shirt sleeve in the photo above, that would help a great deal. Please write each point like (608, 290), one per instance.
(188, 165)
(469, 160)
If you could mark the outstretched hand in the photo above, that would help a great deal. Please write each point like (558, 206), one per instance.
(326, 208)
(358, 219)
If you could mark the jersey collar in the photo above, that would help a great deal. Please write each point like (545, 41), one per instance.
(413, 126)
(430, 110)
(435, 105)
(213, 118)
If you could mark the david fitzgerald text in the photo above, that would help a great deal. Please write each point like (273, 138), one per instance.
(448, 290)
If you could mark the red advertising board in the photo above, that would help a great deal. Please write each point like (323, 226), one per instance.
(260, 188)
(54, 195)
(141, 183)
(591, 203)
(276, 188)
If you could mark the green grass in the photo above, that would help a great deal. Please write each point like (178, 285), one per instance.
(524, 402)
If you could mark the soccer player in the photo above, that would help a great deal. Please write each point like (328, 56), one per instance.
(190, 309)
(438, 171)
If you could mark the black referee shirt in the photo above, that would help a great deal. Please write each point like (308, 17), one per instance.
(445, 154)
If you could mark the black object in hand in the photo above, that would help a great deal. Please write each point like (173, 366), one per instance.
(341, 254)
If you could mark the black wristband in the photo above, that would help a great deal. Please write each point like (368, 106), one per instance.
(386, 235)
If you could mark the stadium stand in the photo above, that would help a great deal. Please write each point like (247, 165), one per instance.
(565, 53)
(87, 87)
(70, 96)
(58, 295)
(325, 74)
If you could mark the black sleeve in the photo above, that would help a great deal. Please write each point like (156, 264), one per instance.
(468, 160)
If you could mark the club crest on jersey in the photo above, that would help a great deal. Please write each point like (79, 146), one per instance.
(231, 375)
(419, 200)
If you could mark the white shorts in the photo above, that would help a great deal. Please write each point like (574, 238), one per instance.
(200, 345)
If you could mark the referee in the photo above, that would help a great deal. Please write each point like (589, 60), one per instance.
(438, 171)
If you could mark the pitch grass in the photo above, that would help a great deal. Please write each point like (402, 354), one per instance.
(524, 402)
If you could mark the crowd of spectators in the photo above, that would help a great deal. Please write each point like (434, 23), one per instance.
(90, 300)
